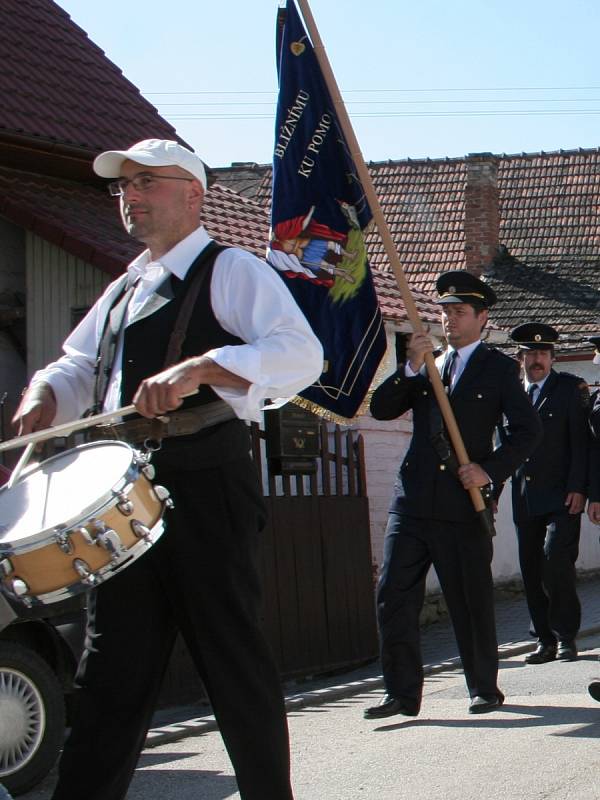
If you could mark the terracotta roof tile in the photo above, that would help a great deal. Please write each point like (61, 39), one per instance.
(58, 86)
(391, 303)
(549, 206)
(423, 204)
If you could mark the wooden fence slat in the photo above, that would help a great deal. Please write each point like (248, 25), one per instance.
(325, 473)
(255, 443)
(339, 463)
(362, 467)
(351, 463)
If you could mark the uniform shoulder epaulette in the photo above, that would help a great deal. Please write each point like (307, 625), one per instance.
(569, 376)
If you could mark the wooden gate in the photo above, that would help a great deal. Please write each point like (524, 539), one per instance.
(317, 566)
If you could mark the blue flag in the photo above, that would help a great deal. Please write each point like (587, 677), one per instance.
(319, 214)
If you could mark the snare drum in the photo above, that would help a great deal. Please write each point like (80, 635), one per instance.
(74, 520)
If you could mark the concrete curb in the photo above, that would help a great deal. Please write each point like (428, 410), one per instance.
(294, 702)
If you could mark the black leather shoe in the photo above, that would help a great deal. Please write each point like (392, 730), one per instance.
(542, 654)
(567, 651)
(594, 690)
(481, 704)
(391, 705)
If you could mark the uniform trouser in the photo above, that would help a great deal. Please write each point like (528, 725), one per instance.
(461, 554)
(548, 550)
(200, 578)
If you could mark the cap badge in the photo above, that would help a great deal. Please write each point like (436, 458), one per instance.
(537, 338)
(451, 289)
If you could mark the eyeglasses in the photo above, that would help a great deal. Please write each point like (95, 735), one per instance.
(141, 183)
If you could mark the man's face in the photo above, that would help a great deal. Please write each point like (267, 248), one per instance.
(462, 324)
(536, 363)
(164, 210)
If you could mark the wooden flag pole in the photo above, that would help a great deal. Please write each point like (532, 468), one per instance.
(388, 243)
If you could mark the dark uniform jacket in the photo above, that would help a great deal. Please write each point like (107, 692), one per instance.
(559, 464)
(594, 459)
(488, 388)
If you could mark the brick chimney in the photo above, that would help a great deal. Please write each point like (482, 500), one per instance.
(482, 214)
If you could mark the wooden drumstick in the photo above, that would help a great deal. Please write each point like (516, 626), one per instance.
(20, 465)
(67, 428)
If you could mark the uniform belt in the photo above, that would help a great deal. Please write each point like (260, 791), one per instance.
(176, 423)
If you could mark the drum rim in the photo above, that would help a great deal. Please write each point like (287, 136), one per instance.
(109, 499)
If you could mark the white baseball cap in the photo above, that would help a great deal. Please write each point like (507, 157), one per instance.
(151, 153)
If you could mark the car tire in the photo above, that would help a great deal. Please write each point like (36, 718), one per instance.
(32, 717)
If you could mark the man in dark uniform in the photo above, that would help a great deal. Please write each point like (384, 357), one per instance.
(432, 519)
(548, 495)
(243, 340)
(593, 509)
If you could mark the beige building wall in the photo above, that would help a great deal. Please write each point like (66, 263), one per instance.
(57, 285)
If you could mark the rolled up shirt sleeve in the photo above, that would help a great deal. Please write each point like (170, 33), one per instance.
(281, 354)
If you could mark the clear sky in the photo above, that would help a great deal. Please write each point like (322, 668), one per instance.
(430, 78)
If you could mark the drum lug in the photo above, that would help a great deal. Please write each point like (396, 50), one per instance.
(86, 535)
(111, 542)
(63, 541)
(6, 568)
(141, 531)
(164, 495)
(149, 471)
(82, 568)
(19, 589)
(124, 505)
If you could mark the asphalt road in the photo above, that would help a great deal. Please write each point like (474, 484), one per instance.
(542, 744)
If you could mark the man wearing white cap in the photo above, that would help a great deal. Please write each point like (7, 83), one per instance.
(240, 339)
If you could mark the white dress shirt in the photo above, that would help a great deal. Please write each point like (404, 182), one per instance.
(280, 358)
(462, 358)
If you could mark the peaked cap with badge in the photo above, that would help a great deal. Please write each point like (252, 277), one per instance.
(460, 286)
(534, 336)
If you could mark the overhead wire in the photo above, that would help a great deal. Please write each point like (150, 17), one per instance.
(188, 109)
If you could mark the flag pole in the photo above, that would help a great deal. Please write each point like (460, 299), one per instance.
(388, 243)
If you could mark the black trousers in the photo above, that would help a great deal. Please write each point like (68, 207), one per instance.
(461, 554)
(548, 550)
(200, 578)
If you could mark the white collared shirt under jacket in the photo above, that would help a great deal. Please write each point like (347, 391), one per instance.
(463, 356)
(281, 355)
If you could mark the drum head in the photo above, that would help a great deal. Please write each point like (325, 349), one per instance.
(61, 490)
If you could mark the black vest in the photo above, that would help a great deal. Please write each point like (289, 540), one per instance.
(145, 345)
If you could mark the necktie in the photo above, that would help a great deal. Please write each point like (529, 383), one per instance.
(532, 390)
(449, 369)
